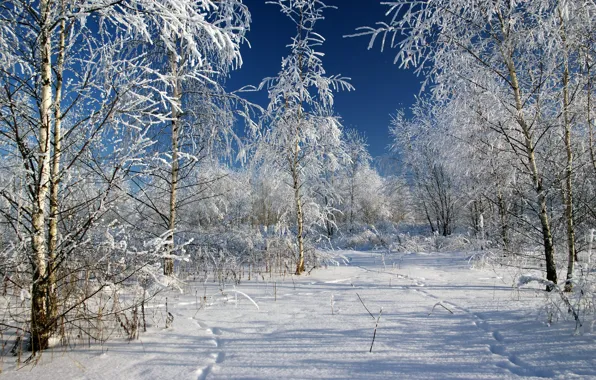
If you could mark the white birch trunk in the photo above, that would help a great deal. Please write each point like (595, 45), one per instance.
(55, 178)
(39, 319)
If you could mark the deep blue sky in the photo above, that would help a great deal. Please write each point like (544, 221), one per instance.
(381, 87)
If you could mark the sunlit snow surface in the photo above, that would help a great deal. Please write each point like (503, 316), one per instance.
(315, 327)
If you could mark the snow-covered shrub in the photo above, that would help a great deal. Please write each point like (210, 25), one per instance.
(576, 299)
(368, 237)
(577, 305)
(433, 243)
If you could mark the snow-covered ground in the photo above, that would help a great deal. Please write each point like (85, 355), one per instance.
(316, 327)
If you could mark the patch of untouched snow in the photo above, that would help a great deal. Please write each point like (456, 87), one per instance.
(316, 327)
(337, 281)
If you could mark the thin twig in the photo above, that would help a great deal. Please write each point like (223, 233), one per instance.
(375, 332)
(372, 316)
(443, 306)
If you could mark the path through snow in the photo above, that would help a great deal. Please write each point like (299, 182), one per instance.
(315, 327)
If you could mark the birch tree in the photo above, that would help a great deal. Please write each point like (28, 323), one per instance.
(194, 63)
(302, 132)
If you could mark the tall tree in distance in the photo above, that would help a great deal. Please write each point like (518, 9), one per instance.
(302, 132)
(217, 29)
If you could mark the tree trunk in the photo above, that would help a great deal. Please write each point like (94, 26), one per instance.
(40, 331)
(298, 204)
(55, 180)
(328, 223)
(430, 222)
(503, 220)
(168, 268)
(549, 249)
(569, 168)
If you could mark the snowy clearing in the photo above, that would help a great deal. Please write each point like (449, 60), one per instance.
(440, 319)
